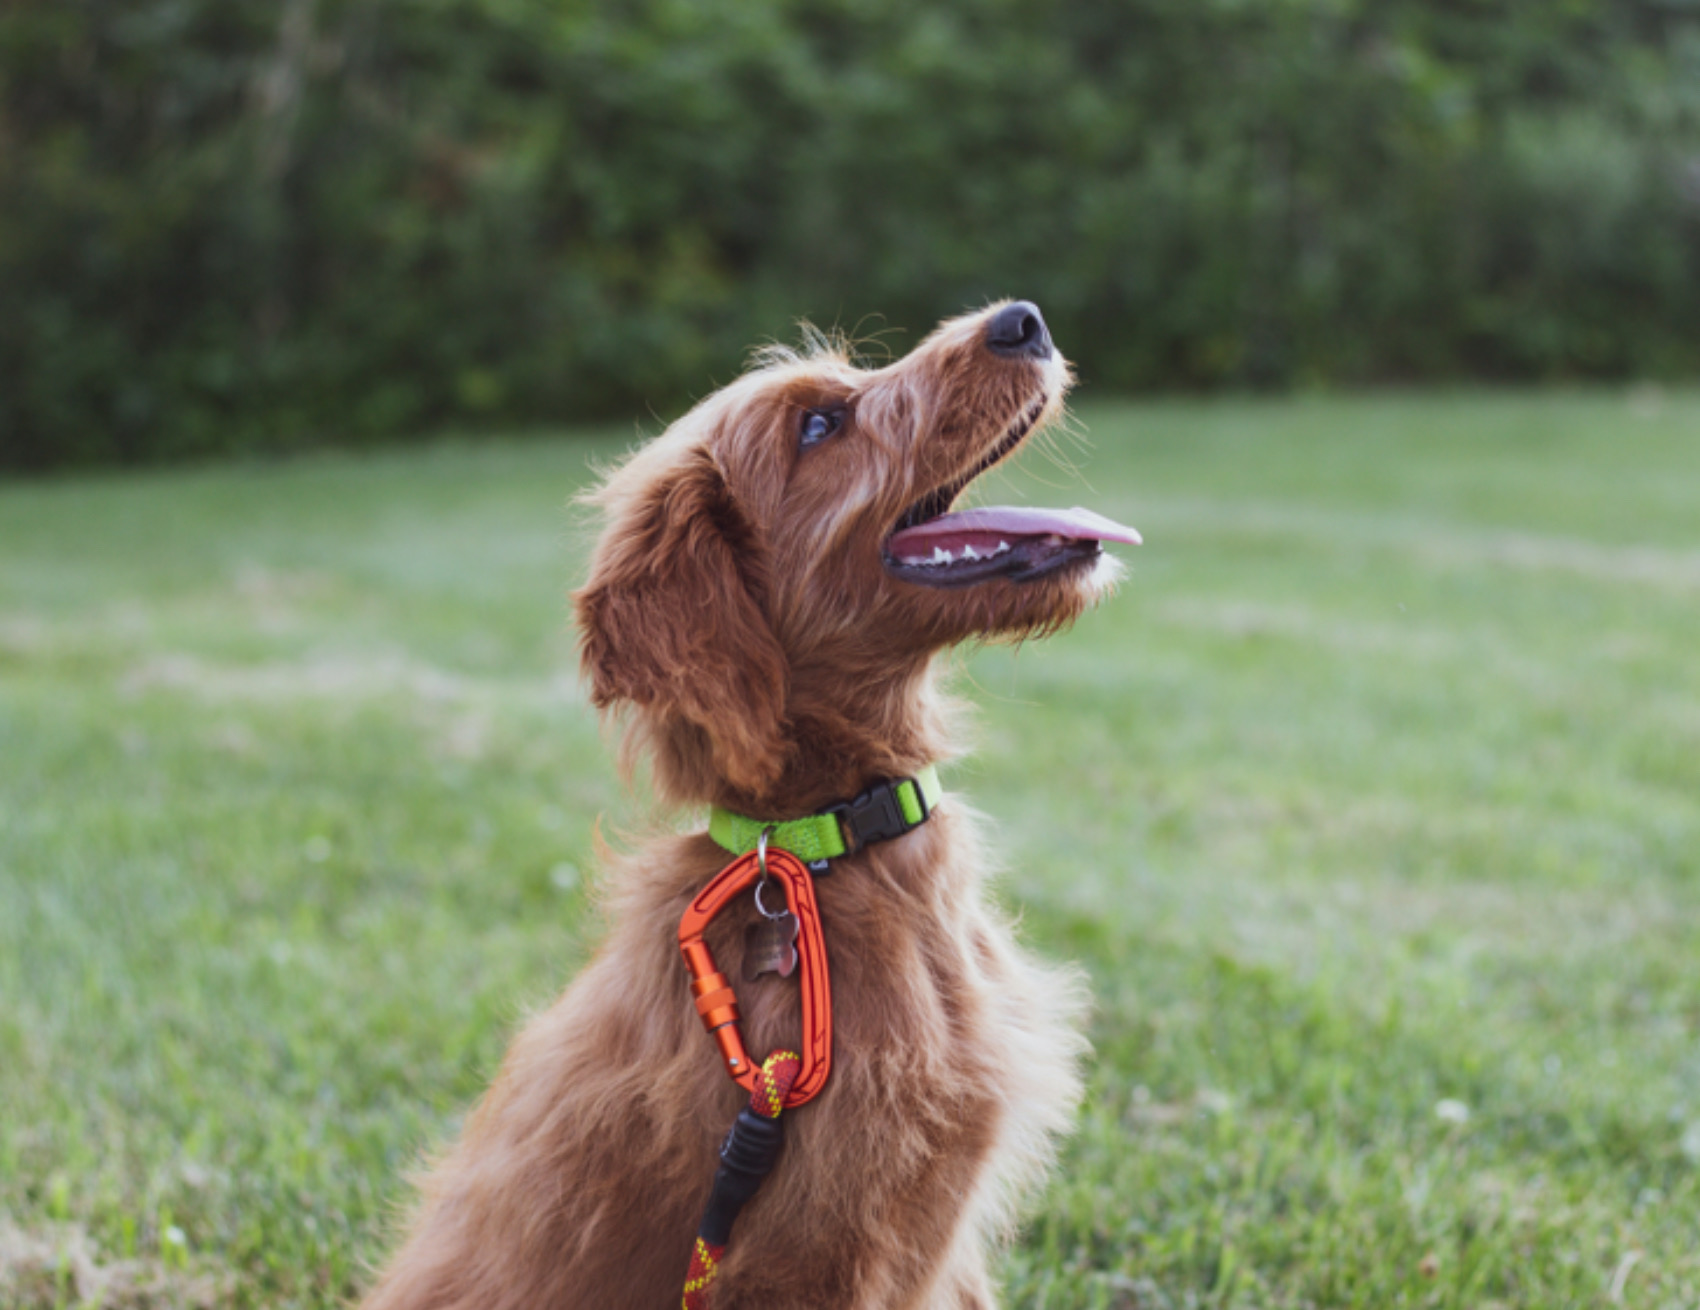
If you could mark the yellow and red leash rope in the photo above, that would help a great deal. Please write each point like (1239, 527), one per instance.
(749, 1152)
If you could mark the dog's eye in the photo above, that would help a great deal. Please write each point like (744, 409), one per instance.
(818, 425)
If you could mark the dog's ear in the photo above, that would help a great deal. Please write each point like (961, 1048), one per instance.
(673, 618)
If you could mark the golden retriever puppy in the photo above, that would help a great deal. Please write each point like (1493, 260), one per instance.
(776, 575)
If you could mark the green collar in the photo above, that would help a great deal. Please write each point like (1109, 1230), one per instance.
(885, 810)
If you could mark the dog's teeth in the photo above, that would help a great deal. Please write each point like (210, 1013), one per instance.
(942, 556)
(968, 552)
(1002, 546)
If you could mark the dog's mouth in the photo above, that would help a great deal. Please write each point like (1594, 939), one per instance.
(937, 548)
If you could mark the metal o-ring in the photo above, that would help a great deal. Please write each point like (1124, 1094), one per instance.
(766, 913)
(761, 861)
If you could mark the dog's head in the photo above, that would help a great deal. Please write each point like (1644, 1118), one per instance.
(781, 563)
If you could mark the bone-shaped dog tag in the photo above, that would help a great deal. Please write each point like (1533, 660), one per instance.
(770, 946)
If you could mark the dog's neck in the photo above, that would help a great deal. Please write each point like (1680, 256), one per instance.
(844, 729)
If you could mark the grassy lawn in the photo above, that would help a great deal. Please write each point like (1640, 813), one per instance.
(1371, 804)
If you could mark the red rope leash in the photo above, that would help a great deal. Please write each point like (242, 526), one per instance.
(748, 1153)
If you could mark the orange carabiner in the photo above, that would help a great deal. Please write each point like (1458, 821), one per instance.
(715, 1000)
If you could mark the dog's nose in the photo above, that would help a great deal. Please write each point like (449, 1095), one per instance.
(1019, 330)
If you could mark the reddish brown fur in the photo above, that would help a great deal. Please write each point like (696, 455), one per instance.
(739, 613)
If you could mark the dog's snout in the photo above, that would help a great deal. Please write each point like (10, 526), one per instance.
(1018, 330)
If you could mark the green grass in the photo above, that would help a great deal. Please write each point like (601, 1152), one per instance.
(1372, 805)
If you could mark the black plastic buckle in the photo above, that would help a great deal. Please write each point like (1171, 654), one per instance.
(877, 814)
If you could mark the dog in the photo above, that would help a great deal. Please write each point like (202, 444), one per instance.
(776, 575)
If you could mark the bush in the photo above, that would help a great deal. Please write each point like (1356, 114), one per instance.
(228, 225)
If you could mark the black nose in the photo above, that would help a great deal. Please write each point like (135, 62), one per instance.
(1019, 330)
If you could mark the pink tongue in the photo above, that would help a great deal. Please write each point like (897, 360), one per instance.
(984, 528)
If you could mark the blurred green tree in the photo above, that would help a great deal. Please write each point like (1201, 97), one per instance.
(236, 225)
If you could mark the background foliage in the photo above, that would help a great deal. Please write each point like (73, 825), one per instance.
(254, 224)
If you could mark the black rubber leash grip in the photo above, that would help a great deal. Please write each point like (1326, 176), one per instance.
(747, 1156)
